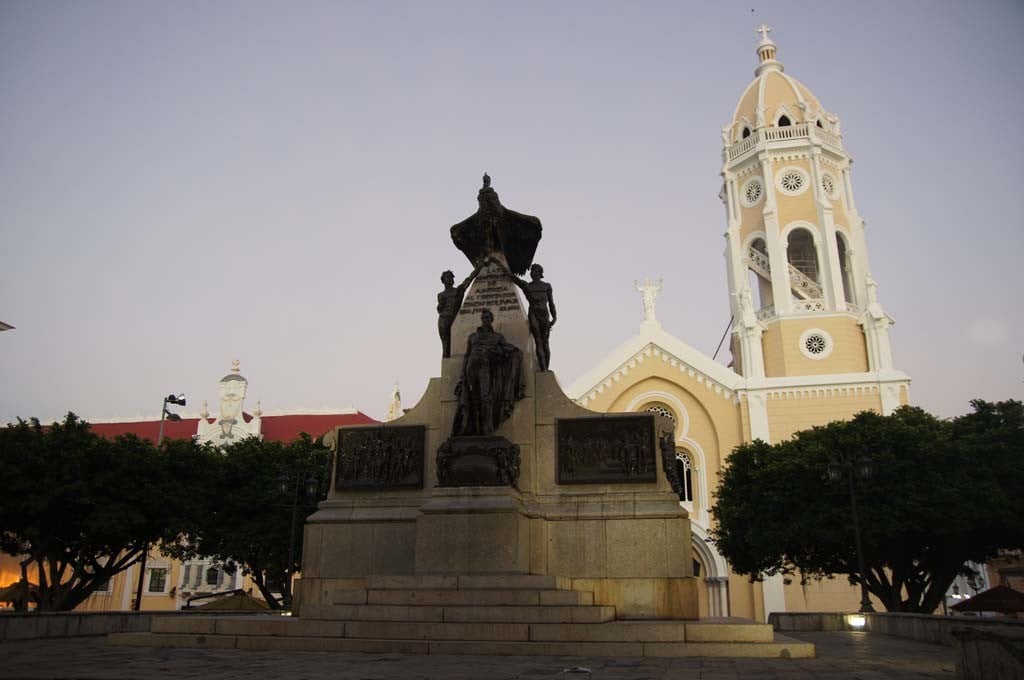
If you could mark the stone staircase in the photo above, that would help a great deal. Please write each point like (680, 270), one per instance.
(495, 615)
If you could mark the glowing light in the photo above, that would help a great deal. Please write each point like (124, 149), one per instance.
(856, 620)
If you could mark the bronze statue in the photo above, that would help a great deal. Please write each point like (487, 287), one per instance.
(449, 302)
(491, 381)
(541, 313)
(496, 229)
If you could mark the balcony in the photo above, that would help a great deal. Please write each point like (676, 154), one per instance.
(807, 131)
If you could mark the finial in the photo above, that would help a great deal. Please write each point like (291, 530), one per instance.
(258, 410)
(487, 181)
(205, 413)
(235, 363)
(766, 52)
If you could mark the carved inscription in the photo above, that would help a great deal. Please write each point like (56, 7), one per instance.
(491, 290)
(380, 458)
(615, 449)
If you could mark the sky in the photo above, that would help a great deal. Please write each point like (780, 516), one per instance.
(187, 183)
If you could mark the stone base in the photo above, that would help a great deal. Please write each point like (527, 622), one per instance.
(473, 530)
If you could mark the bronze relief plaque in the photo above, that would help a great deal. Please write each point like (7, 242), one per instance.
(380, 458)
(606, 450)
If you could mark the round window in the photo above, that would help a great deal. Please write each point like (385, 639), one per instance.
(792, 181)
(752, 192)
(828, 185)
(815, 343)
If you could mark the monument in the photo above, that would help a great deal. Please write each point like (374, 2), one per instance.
(496, 516)
(495, 471)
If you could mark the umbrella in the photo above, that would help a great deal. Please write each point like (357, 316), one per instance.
(999, 599)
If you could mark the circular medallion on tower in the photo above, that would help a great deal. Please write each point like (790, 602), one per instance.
(829, 186)
(751, 193)
(791, 181)
(815, 343)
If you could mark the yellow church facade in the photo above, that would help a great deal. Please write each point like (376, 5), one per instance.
(809, 337)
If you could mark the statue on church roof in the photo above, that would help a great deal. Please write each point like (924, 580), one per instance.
(496, 229)
(649, 290)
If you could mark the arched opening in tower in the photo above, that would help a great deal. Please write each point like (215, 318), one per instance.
(844, 267)
(760, 280)
(803, 257)
(784, 121)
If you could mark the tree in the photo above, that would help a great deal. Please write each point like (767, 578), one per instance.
(79, 508)
(942, 493)
(249, 517)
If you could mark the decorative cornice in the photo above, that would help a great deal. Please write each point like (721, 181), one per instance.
(653, 352)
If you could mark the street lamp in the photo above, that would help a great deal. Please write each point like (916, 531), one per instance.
(299, 484)
(840, 467)
(178, 400)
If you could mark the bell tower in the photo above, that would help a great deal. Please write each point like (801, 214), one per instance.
(802, 297)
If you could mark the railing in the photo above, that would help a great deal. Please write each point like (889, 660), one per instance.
(809, 306)
(758, 261)
(783, 134)
(803, 285)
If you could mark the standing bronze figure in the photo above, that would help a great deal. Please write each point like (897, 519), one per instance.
(541, 312)
(491, 381)
(449, 302)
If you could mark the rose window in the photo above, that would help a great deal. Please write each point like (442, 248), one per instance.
(815, 344)
(752, 192)
(828, 185)
(792, 181)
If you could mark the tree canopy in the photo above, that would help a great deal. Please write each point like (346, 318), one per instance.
(941, 493)
(249, 518)
(78, 508)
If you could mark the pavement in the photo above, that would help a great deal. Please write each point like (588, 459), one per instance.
(841, 655)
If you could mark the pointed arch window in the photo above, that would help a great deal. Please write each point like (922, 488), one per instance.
(746, 132)
(784, 121)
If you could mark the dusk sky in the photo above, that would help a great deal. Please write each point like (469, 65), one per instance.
(187, 183)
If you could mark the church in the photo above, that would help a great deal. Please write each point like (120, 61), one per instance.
(809, 336)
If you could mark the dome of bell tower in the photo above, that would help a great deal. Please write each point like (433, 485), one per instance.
(775, 99)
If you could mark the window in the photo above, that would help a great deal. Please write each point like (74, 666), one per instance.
(844, 268)
(157, 580)
(746, 132)
(803, 255)
(103, 587)
(213, 576)
(818, 123)
(784, 121)
(815, 344)
(685, 475)
(662, 410)
(751, 192)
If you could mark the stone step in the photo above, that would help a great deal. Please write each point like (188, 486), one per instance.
(482, 582)
(460, 614)
(779, 647)
(465, 598)
(503, 630)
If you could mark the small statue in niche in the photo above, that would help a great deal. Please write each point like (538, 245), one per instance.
(449, 302)
(541, 313)
(491, 381)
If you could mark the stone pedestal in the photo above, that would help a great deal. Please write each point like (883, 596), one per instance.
(473, 530)
(626, 540)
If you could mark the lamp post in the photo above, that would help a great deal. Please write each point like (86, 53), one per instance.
(840, 467)
(178, 400)
(298, 483)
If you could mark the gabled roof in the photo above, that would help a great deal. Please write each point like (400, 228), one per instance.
(653, 341)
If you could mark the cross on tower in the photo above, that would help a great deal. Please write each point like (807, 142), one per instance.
(764, 30)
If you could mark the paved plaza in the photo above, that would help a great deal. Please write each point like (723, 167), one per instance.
(846, 656)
